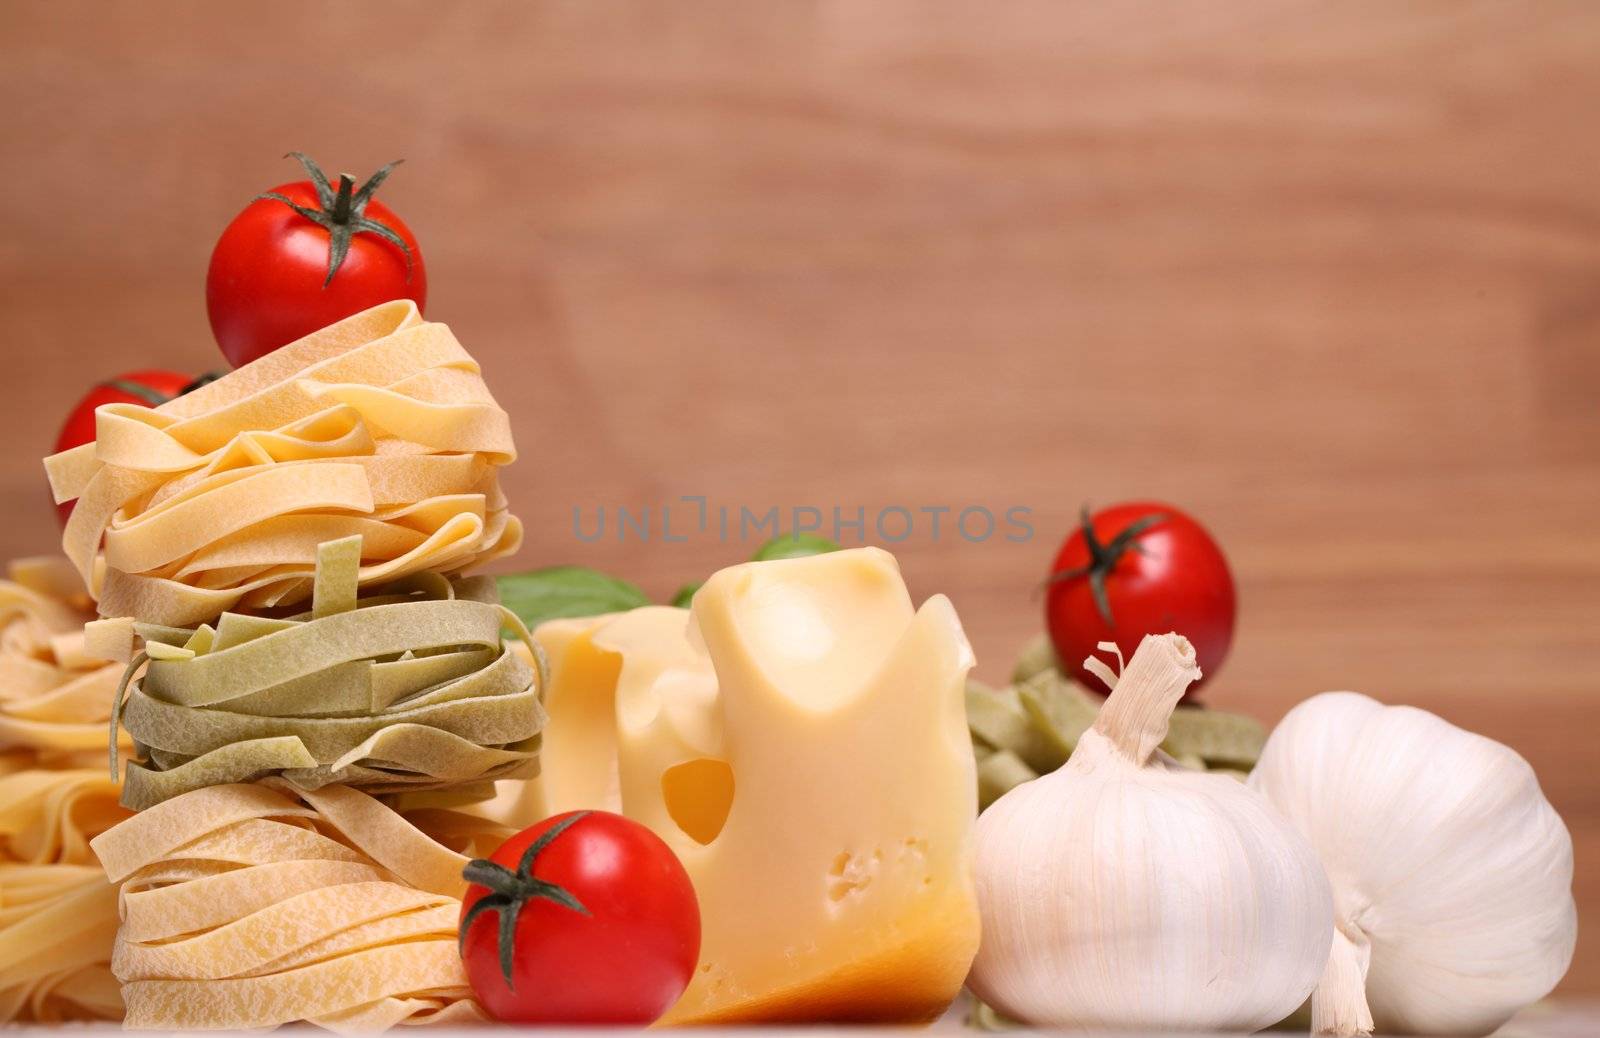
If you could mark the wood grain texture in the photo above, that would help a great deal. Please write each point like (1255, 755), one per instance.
(1327, 275)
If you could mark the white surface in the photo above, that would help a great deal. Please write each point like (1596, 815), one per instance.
(1562, 1018)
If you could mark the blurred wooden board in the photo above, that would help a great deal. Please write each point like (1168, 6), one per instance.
(1327, 275)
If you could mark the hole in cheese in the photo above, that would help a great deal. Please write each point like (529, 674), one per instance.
(852, 875)
(699, 795)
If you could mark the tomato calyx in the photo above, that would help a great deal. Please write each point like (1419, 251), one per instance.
(204, 380)
(153, 397)
(342, 212)
(510, 892)
(1103, 558)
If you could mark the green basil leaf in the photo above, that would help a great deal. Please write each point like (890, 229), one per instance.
(558, 591)
(793, 546)
(685, 595)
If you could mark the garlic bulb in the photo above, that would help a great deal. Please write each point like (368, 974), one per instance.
(1122, 891)
(1451, 873)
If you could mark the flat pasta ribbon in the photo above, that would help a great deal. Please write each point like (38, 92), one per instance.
(58, 913)
(55, 694)
(379, 426)
(396, 693)
(255, 905)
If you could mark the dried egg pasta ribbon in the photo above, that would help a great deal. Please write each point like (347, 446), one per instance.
(58, 913)
(55, 695)
(456, 544)
(379, 425)
(399, 696)
(259, 905)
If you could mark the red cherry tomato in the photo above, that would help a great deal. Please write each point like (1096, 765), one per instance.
(276, 275)
(1138, 569)
(150, 388)
(605, 927)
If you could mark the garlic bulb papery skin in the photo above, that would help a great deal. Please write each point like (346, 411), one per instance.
(1124, 892)
(1451, 872)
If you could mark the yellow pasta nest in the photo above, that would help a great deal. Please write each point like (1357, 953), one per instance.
(378, 426)
(55, 698)
(258, 905)
(58, 914)
(405, 691)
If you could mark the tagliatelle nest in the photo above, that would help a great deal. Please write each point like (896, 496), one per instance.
(249, 906)
(55, 696)
(58, 914)
(401, 692)
(378, 426)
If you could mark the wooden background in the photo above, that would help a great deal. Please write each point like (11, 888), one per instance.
(1325, 274)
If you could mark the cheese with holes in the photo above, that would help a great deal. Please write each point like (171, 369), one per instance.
(800, 741)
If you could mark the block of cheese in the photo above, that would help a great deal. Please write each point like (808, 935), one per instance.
(800, 741)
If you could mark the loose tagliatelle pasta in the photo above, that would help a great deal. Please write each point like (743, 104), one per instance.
(261, 904)
(378, 426)
(58, 913)
(399, 692)
(54, 696)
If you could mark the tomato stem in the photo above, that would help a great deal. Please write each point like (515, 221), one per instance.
(341, 201)
(152, 397)
(203, 380)
(1103, 558)
(510, 892)
(343, 214)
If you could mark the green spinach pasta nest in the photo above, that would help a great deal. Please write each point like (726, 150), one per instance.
(407, 690)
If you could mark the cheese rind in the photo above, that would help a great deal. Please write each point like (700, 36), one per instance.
(800, 741)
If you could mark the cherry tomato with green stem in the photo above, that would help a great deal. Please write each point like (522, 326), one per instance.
(585, 918)
(305, 255)
(1136, 569)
